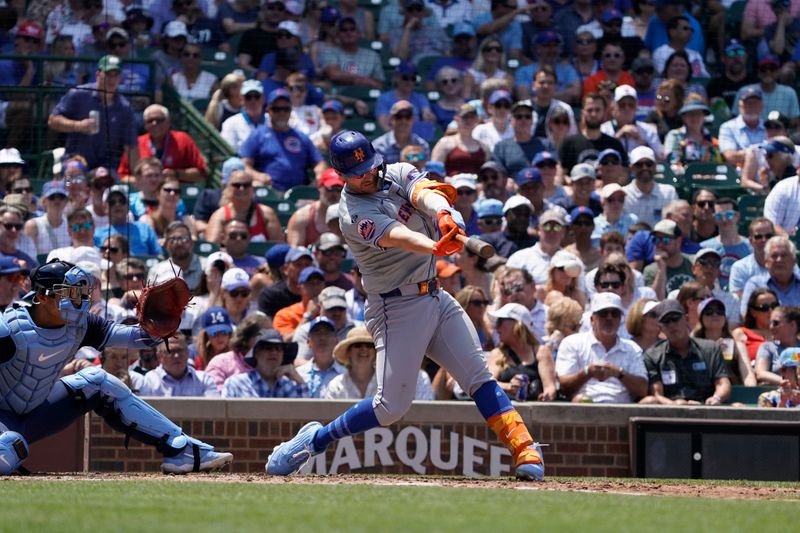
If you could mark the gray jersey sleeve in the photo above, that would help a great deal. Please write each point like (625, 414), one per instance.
(365, 218)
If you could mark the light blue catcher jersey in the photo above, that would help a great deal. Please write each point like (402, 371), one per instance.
(364, 218)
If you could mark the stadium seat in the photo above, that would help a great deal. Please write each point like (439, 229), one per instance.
(751, 206)
(365, 125)
(721, 178)
(302, 192)
(189, 194)
(666, 176)
(260, 248)
(283, 208)
(266, 193)
(205, 248)
(747, 395)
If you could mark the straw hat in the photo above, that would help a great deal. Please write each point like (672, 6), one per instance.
(354, 336)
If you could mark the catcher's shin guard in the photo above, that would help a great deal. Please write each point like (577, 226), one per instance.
(511, 431)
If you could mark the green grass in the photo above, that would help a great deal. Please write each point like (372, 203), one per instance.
(192, 507)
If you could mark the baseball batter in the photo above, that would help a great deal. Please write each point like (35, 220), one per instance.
(39, 338)
(391, 217)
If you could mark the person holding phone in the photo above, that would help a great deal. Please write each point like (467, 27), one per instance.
(273, 374)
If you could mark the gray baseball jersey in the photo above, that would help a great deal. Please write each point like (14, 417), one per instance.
(364, 218)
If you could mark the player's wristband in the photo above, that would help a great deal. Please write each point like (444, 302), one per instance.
(586, 371)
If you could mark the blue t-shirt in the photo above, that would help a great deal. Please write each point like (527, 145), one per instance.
(284, 155)
(511, 36)
(729, 255)
(142, 238)
(566, 74)
(249, 263)
(227, 12)
(387, 99)
(641, 248)
(138, 208)
(657, 34)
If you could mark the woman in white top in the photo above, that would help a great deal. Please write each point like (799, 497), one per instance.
(191, 82)
(49, 231)
(498, 127)
(488, 64)
(357, 353)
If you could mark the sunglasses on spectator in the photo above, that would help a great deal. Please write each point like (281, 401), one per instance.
(493, 49)
(415, 157)
(584, 41)
(725, 215)
(12, 226)
(242, 186)
(764, 307)
(609, 313)
(117, 201)
(116, 45)
(670, 318)
(762, 236)
(238, 235)
(183, 239)
(479, 303)
(776, 323)
(509, 291)
(644, 164)
(22, 190)
(347, 29)
(546, 164)
(333, 252)
(367, 345)
(403, 116)
(616, 199)
(737, 52)
(518, 116)
(767, 68)
(560, 122)
(584, 223)
(609, 55)
(408, 77)
(665, 99)
(465, 192)
(252, 96)
(297, 88)
(662, 239)
(56, 198)
(191, 54)
(706, 204)
(502, 104)
(280, 109)
(134, 276)
(448, 81)
(109, 249)
(715, 310)
(491, 221)
(489, 176)
(552, 227)
(240, 293)
(610, 284)
(610, 161)
(85, 226)
(685, 28)
(707, 261)
(171, 190)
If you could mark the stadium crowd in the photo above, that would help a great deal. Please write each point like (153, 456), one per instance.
(633, 162)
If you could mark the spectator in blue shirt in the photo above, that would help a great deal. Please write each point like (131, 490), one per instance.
(780, 256)
(270, 377)
(278, 155)
(141, 237)
(657, 28)
(173, 376)
(405, 78)
(501, 22)
(391, 143)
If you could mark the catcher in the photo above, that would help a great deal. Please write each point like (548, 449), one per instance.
(38, 340)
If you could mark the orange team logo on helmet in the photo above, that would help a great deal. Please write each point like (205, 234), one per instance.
(359, 155)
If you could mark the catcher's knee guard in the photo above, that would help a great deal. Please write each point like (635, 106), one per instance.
(132, 412)
(13, 451)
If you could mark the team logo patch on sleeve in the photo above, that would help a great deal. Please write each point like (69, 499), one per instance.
(366, 228)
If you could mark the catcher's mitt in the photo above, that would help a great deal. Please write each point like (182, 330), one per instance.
(161, 305)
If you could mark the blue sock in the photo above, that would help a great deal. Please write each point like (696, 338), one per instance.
(491, 400)
(357, 419)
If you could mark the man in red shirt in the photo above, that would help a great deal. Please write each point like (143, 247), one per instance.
(176, 150)
(612, 58)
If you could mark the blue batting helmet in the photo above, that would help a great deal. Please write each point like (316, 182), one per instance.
(352, 154)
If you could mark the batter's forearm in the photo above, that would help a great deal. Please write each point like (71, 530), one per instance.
(399, 236)
(431, 202)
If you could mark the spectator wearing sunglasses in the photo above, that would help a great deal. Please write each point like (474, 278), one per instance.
(236, 293)
(644, 197)
(517, 286)
(565, 84)
(536, 259)
(237, 128)
(179, 246)
(657, 34)
(598, 365)
(612, 59)
(501, 21)
(517, 212)
(191, 82)
(680, 32)
(238, 202)
(612, 21)
(729, 245)
(258, 41)
(289, 46)
(734, 75)
(49, 230)
(706, 267)
(776, 96)
(613, 217)
(143, 240)
(405, 79)
(401, 133)
(420, 35)
(684, 370)
(11, 278)
(626, 128)
(671, 269)
(755, 329)
(80, 227)
(498, 127)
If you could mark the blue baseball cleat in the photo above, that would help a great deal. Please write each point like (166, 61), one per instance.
(533, 470)
(196, 457)
(289, 457)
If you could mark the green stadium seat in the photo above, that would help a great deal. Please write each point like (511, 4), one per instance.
(205, 248)
(283, 208)
(367, 126)
(747, 395)
(302, 192)
(189, 194)
(666, 176)
(267, 193)
(721, 178)
(750, 206)
(260, 248)
(201, 104)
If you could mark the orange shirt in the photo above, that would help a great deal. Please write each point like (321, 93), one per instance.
(590, 84)
(287, 319)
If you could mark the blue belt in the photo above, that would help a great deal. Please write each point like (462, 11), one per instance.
(414, 289)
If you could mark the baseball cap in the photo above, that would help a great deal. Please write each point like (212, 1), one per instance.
(9, 265)
(464, 28)
(780, 144)
(446, 269)
(329, 14)
(769, 59)
(345, 20)
(176, 28)
(400, 105)
(569, 262)
(642, 152)
(708, 301)
(333, 105)
(578, 211)
(493, 165)
(307, 272)
(649, 306)
(331, 178)
(500, 94)
(20, 202)
(751, 91)
(231, 165)
(582, 170)
(30, 29)
(517, 201)
(667, 307)
(321, 322)
(469, 181)
(666, 226)
(218, 256)
(624, 91)
(276, 256)
(610, 189)
(522, 103)
(605, 300)
(270, 336)
(332, 297)
(466, 109)
(553, 215)
(91, 268)
(53, 188)
(775, 119)
(789, 357)
(11, 156)
(252, 86)
(610, 15)
(119, 32)
(109, 63)
(541, 157)
(547, 37)
(235, 278)
(332, 213)
(298, 252)
(120, 189)
(435, 167)
(642, 63)
(290, 26)
(702, 252)
(734, 46)
(330, 240)
(515, 311)
(607, 152)
(528, 175)
(490, 207)
(694, 106)
(216, 320)
(406, 68)
(277, 94)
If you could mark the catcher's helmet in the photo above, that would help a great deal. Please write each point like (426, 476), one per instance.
(789, 357)
(44, 277)
(352, 154)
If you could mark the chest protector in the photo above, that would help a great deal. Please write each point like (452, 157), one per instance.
(26, 378)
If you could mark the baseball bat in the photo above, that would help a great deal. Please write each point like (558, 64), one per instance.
(477, 246)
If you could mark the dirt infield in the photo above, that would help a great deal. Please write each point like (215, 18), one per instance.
(686, 489)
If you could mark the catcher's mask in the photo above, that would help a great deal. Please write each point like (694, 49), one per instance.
(74, 296)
